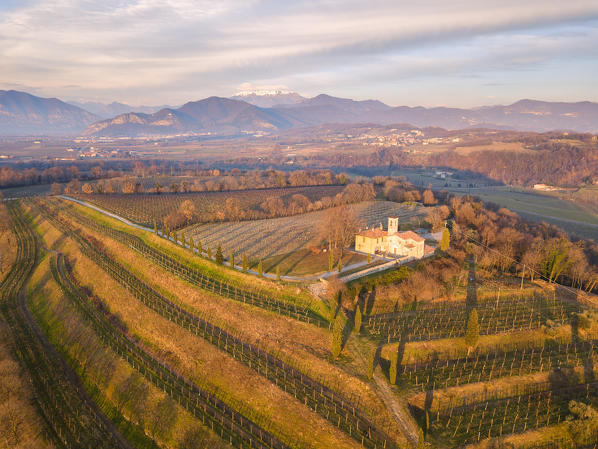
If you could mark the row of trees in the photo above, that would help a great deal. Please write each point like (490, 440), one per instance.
(272, 207)
(215, 181)
(13, 176)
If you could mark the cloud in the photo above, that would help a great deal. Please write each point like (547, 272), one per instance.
(172, 51)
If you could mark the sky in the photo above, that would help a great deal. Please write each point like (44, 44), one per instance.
(460, 53)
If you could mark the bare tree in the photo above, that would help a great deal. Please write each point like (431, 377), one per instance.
(187, 208)
(338, 228)
(162, 418)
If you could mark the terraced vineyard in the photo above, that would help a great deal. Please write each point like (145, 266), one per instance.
(231, 425)
(468, 422)
(495, 364)
(74, 421)
(431, 322)
(209, 206)
(201, 280)
(340, 411)
(260, 239)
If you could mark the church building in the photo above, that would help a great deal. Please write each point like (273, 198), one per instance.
(392, 242)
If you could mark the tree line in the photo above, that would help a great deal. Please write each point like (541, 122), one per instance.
(272, 206)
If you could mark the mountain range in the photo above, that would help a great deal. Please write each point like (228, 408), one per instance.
(115, 108)
(250, 113)
(25, 114)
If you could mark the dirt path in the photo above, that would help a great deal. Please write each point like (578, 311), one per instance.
(401, 416)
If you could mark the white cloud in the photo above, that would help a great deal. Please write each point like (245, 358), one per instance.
(172, 51)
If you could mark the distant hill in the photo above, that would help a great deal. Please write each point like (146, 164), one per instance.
(268, 99)
(115, 108)
(327, 109)
(212, 115)
(25, 114)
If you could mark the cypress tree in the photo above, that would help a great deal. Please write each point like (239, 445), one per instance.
(244, 263)
(472, 334)
(278, 272)
(358, 319)
(392, 374)
(420, 441)
(372, 363)
(209, 253)
(445, 241)
(340, 264)
(369, 257)
(231, 259)
(260, 268)
(199, 248)
(330, 260)
(337, 336)
(219, 256)
(183, 240)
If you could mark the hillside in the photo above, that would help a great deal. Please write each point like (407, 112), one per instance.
(25, 114)
(212, 115)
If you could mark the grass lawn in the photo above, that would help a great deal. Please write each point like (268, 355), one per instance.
(304, 262)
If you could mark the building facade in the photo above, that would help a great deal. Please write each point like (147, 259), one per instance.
(391, 242)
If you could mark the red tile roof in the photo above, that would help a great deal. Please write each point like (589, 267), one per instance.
(373, 233)
(410, 235)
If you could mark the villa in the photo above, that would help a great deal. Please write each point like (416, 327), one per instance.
(392, 242)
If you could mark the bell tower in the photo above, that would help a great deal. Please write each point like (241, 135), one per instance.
(393, 225)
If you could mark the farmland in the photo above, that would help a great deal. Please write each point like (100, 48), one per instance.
(261, 239)
(138, 329)
(148, 209)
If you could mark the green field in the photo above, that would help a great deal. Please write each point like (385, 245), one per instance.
(569, 211)
(572, 217)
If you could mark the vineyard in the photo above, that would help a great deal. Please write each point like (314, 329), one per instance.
(148, 209)
(471, 422)
(432, 321)
(74, 421)
(232, 426)
(260, 239)
(439, 374)
(522, 376)
(342, 412)
(200, 279)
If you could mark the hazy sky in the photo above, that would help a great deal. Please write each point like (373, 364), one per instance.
(421, 52)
